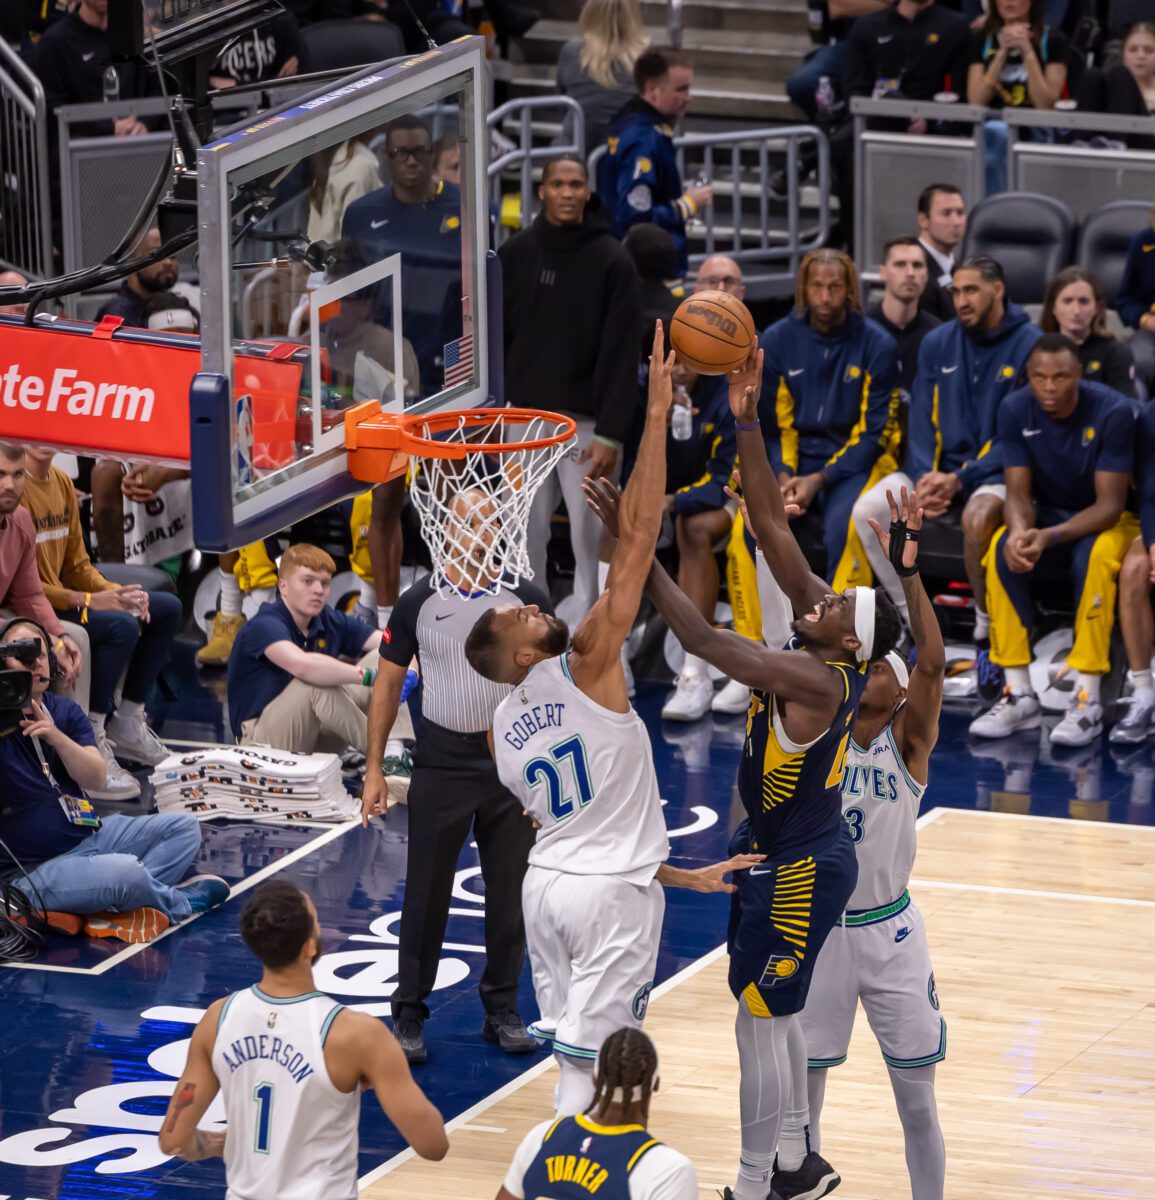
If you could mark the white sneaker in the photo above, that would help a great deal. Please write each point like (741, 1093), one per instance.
(1082, 723)
(119, 784)
(1012, 712)
(131, 738)
(1136, 726)
(691, 699)
(732, 699)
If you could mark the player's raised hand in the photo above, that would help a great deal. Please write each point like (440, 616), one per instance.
(605, 500)
(661, 394)
(746, 388)
(900, 542)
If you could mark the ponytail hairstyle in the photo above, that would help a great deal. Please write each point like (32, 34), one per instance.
(627, 1070)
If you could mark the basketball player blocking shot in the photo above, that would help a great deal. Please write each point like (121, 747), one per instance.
(570, 747)
(805, 697)
(290, 1064)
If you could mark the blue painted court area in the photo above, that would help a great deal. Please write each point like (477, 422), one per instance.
(89, 1053)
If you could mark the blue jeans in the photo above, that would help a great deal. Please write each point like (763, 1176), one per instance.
(827, 60)
(129, 862)
(995, 152)
(120, 642)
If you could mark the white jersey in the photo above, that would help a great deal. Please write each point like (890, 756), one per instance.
(291, 1134)
(586, 774)
(880, 803)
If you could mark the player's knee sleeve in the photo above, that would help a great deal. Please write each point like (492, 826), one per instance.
(914, 1097)
(575, 1087)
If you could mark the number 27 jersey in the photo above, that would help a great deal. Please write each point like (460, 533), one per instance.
(585, 774)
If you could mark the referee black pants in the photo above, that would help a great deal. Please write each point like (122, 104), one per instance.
(455, 789)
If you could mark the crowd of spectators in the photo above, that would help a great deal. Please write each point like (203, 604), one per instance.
(1017, 436)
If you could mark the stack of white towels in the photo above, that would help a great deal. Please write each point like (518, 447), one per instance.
(254, 783)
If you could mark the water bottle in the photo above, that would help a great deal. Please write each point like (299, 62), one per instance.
(695, 226)
(681, 416)
(825, 100)
(110, 86)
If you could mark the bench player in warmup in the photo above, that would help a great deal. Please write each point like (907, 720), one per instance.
(570, 747)
(797, 736)
(878, 950)
(291, 1064)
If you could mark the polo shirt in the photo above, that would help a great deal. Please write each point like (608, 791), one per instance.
(32, 823)
(1063, 456)
(255, 681)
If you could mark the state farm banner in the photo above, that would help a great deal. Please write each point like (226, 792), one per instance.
(96, 394)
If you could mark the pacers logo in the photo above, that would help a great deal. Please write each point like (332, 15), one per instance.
(642, 1001)
(779, 968)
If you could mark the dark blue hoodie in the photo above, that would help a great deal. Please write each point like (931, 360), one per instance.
(638, 176)
(961, 381)
(1137, 287)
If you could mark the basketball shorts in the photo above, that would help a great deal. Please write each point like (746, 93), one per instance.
(780, 917)
(882, 958)
(593, 947)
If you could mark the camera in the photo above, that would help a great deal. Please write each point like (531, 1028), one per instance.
(16, 685)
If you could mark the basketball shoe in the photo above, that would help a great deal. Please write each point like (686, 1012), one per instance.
(816, 1177)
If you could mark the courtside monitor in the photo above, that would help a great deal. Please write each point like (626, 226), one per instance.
(339, 231)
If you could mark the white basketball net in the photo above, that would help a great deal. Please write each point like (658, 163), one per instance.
(475, 510)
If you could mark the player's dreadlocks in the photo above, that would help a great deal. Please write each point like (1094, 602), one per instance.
(627, 1062)
(826, 257)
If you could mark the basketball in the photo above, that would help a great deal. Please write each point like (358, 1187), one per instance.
(712, 332)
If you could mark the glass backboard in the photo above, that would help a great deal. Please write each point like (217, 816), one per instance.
(350, 231)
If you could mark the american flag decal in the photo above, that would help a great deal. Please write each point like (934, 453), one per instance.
(458, 356)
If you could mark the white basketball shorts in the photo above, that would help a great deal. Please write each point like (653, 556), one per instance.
(593, 946)
(885, 962)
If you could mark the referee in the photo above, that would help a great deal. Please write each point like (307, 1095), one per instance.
(455, 789)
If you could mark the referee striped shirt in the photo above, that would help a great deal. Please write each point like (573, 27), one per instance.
(433, 627)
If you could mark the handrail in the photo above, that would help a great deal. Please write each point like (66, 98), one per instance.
(795, 245)
(524, 154)
(24, 91)
(970, 114)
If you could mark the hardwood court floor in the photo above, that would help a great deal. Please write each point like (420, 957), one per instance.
(1043, 937)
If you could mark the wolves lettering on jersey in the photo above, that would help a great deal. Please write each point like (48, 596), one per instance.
(880, 803)
(790, 792)
(584, 773)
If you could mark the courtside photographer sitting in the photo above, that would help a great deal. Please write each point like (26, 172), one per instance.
(53, 844)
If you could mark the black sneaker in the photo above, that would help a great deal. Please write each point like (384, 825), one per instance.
(410, 1034)
(991, 679)
(728, 1194)
(508, 1031)
(816, 1177)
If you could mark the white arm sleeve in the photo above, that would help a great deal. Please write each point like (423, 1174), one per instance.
(522, 1158)
(777, 615)
(663, 1174)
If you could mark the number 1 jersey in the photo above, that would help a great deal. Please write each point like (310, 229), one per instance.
(585, 774)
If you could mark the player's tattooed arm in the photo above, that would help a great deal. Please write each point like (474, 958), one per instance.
(194, 1092)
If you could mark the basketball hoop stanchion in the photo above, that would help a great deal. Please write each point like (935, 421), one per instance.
(476, 473)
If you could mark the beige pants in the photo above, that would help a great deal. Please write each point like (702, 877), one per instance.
(306, 718)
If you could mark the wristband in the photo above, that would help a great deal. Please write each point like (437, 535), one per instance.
(1054, 535)
(368, 675)
(612, 443)
(84, 610)
(747, 427)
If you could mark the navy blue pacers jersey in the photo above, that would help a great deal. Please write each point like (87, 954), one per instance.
(785, 907)
(579, 1159)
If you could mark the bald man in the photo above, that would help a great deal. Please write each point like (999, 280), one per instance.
(455, 792)
(12, 279)
(720, 273)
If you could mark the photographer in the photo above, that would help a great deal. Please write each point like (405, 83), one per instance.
(77, 862)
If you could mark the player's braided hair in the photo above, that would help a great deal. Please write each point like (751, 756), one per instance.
(626, 1061)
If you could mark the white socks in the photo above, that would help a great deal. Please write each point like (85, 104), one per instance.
(98, 720)
(982, 625)
(368, 594)
(695, 666)
(1019, 680)
(1089, 684)
(384, 612)
(230, 601)
(264, 595)
(1141, 681)
(130, 710)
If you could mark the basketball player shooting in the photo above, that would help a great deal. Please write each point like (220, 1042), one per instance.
(570, 747)
(798, 732)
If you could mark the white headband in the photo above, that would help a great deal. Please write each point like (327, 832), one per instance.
(864, 605)
(899, 667)
(618, 1095)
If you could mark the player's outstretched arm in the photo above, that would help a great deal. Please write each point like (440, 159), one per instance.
(917, 723)
(195, 1091)
(764, 506)
(598, 641)
(798, 677)
(707, 879)
(384, 1069)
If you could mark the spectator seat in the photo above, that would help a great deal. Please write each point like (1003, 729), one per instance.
(1031, 235)
(1104, 239)
(330, 45)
